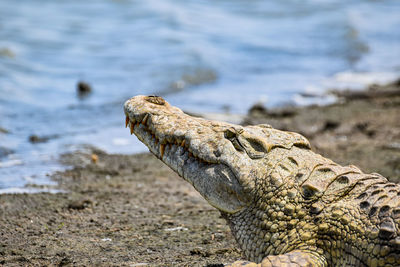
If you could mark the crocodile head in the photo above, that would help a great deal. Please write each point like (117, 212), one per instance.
(222, 161)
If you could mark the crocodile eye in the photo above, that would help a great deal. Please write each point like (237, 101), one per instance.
(236, 144)
(230, 133)
(256, 145)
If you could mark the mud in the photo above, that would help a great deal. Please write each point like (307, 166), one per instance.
(118, 210)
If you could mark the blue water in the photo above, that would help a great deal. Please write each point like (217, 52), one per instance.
(204, 56)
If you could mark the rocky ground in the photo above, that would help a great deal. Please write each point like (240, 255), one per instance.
(120, 210)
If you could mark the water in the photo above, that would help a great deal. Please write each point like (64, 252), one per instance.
(204, 56)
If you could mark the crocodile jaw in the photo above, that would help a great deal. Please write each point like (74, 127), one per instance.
(178, 140)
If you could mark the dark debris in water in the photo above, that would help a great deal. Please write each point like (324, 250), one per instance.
(35, 139)
(6, 52)
(4, 131)
(5, 151)
(83, 89)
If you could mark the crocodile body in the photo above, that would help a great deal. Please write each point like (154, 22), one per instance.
(285, 204)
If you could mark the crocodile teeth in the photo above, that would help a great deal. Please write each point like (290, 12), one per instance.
(162, 149)
(126, 121)
(132, 127)
(145, 119)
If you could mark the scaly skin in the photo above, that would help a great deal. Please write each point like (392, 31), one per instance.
(285, 204)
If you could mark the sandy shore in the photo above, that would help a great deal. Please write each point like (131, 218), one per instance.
(134, 211)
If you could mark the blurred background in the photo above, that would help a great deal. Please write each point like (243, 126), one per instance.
(66, 67)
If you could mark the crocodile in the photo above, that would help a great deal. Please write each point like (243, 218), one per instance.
(285, 204)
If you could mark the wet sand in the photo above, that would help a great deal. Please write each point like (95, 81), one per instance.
(120, 210)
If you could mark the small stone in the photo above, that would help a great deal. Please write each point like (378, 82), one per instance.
(94, 158)
(79, 204)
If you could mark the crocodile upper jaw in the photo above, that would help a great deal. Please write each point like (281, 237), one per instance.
(189, 148)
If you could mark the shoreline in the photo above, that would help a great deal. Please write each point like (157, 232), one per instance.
(42, 176)
(132, 210)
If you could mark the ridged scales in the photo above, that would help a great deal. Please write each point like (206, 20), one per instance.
(299, 206)
(316, 203)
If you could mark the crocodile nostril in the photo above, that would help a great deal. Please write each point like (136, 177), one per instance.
(158, 100)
